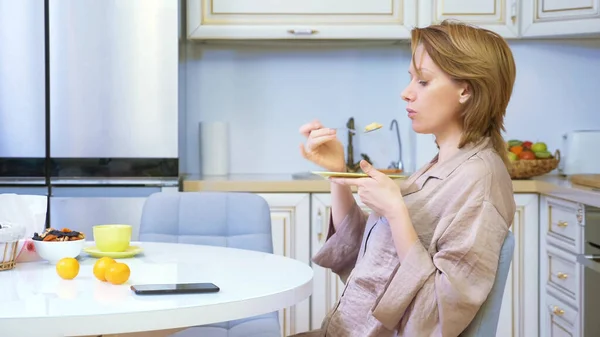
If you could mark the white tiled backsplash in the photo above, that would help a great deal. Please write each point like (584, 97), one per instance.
(266, 93)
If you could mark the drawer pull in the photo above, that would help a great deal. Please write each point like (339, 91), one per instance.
(562, 224)
(562, 276)
(302, 31)
(558, 311)
(319, 226)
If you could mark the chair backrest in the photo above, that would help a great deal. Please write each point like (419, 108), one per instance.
(485, 322)
(238, 220)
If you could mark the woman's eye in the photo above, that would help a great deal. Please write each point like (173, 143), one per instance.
(423, 83)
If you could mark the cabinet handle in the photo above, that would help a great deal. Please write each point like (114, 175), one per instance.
(513, 12)
(558, 311)
(302, 31)
(580, 216)
(562, 224)
(562, 276)
(319, 226)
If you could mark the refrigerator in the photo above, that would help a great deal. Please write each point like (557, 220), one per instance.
(22, 98)
(89, 106)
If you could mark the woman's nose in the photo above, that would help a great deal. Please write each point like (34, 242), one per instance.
(407, 94)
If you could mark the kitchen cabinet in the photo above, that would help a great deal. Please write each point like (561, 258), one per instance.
(561, 280)
(519, 311)
(497, 16)
(300, 19)
(327, 286)
(556, 18)
(385, 19)
(290, 225)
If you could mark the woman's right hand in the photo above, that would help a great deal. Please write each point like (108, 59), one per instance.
(322, 147)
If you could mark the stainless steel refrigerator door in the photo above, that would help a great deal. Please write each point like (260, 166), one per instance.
(22, 87)
(113, 78)
(81, 208)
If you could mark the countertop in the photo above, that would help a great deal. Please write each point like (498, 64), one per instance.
(551, 185)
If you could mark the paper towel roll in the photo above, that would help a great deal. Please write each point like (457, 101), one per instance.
(214, 148)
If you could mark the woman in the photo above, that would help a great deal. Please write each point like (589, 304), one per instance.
(425, 260)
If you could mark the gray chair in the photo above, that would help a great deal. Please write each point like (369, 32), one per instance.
(485, 322)
(238, 220)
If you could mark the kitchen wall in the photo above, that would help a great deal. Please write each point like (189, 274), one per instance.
(266, 93)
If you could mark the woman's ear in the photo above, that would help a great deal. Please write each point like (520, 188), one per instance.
(465, 94)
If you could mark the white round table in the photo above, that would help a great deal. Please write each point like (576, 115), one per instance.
(34, 301)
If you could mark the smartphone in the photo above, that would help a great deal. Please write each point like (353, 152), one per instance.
(177, 288)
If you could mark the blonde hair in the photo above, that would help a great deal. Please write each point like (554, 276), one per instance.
(483, 60)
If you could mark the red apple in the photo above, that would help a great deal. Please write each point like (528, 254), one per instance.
(527, 155)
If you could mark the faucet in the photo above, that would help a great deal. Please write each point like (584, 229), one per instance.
(397, 165)
(351, 166)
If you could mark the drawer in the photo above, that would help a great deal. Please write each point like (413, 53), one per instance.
(562, 272)
(564, 227)
(563, 320)
(559, 330)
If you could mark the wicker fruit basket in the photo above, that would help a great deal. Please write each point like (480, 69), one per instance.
(525, 169)
(9, 241)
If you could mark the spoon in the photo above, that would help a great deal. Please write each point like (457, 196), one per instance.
(349, 130)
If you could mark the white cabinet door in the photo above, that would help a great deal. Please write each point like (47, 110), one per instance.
(497, 16)
(304, 19)
(290, 224)
(519, 311)
(560, 18)
(327, 286)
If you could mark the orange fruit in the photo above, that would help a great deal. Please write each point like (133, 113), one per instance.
(67, 268)
(117, 273)
(517, 149)
(101, 266)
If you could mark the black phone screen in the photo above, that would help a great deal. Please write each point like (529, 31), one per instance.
(176, 288)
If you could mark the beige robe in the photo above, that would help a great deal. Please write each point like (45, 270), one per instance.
(461, 210)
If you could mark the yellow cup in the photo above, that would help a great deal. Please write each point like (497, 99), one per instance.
(112, 238)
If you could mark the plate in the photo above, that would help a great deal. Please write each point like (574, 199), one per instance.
(129, 252)
(352, 175)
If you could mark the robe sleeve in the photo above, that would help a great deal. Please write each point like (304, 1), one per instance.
(340, 251)
(445, 289)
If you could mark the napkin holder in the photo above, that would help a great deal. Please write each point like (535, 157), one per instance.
(20, 217)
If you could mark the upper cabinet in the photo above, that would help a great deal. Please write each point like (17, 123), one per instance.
(384, 19)
(560, 18)
(304, 19)
(499, 16)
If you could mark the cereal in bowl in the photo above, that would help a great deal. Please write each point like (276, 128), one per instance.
(65, 234)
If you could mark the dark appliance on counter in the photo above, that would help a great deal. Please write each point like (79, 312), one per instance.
(589, 263)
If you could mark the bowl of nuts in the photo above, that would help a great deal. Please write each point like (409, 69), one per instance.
(53, 245)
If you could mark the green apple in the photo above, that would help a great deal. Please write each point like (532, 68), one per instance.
(512, 157)
(543, 154)
(539, 147)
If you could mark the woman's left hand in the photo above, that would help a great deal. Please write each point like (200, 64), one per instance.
(378, 191)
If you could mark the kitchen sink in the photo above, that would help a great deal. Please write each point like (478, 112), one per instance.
(306, 176)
